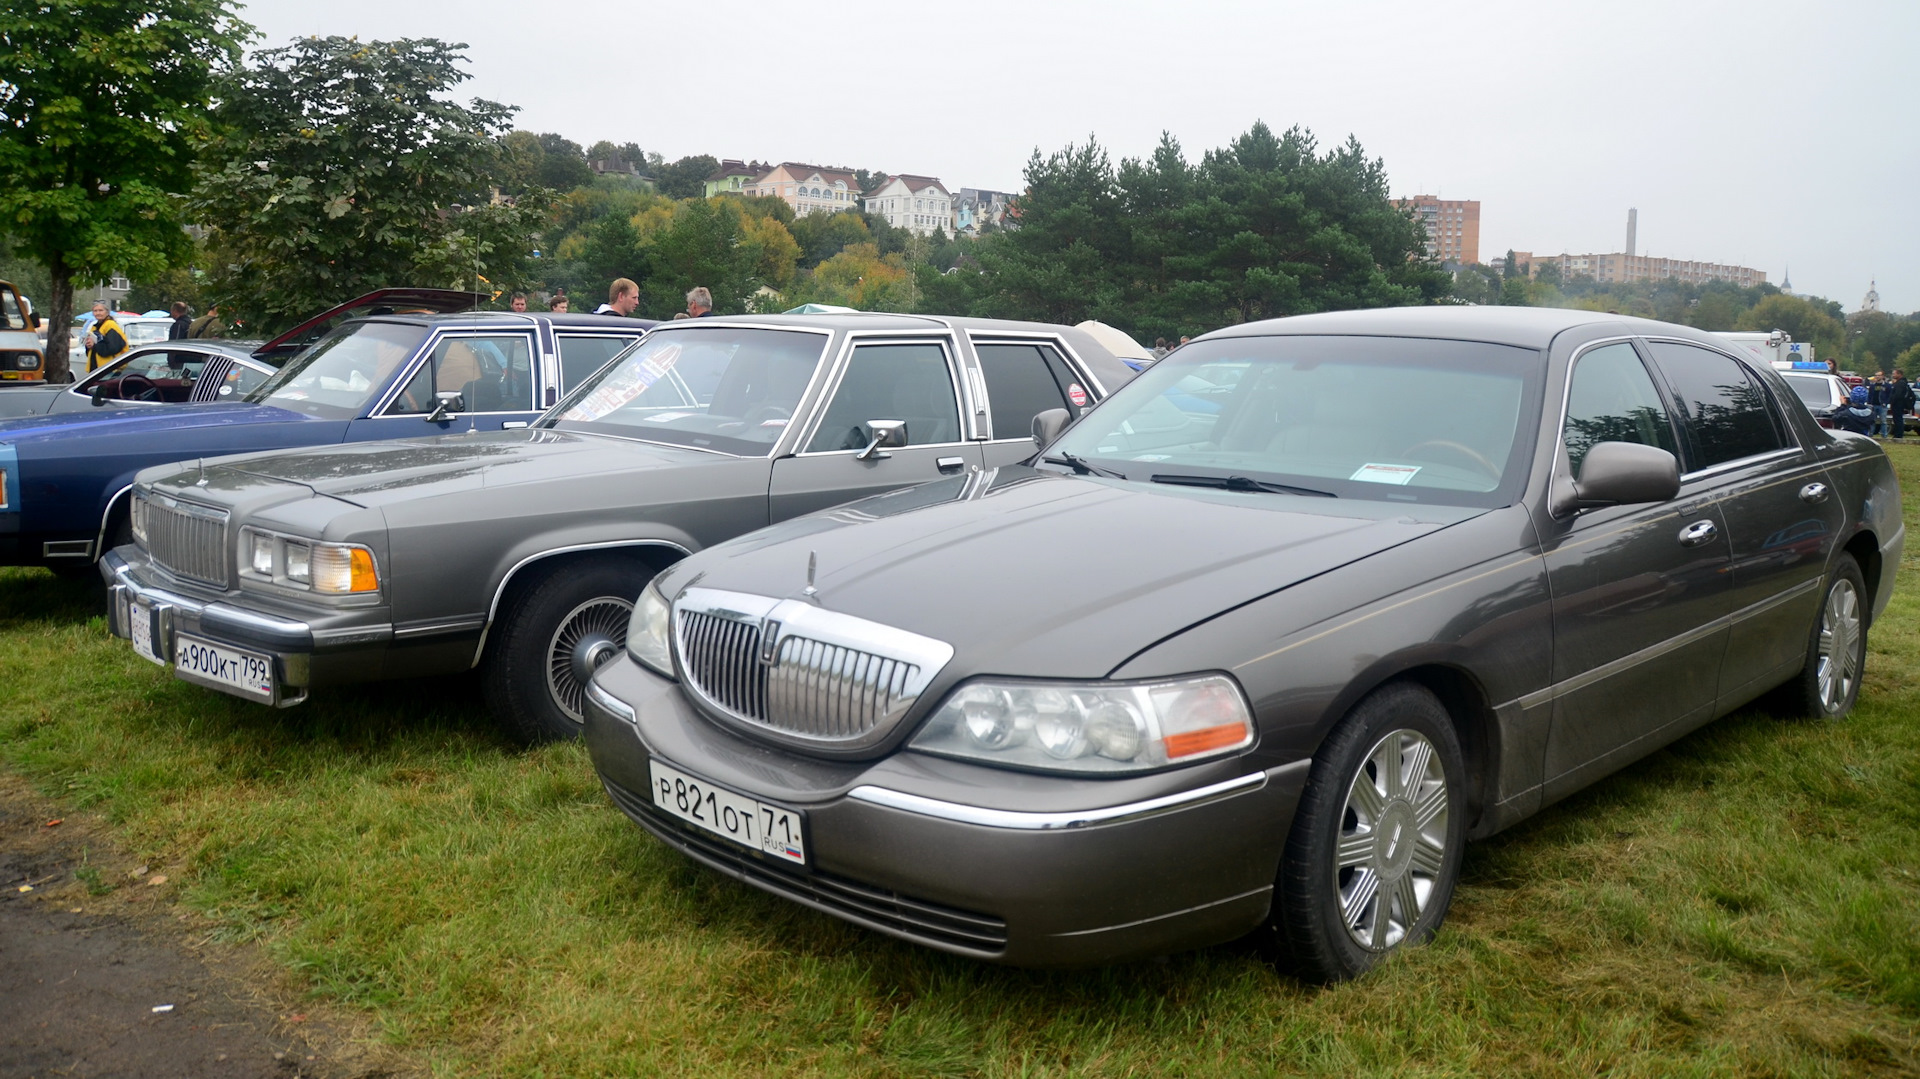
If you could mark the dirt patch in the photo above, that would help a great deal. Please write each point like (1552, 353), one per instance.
(105, 975)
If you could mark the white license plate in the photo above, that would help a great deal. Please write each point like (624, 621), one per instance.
(752, 824)
(140, 621)
(248, 674)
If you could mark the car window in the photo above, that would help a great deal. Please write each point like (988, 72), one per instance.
(726, 388)
(336, 378)
(1019, 386)
(910, 382)
(1815, 391)
(583, 354)
(1381, 418)
(490, 373)
(1726, 413)
(155, 374)
(12, 314)
(1613, 399)
(241, 380)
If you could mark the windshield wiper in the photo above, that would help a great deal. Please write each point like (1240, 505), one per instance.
(1239, 483)
(1080, 465)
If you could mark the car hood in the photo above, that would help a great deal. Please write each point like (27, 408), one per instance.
(372, 474)
(1034, 573)
(141, 421)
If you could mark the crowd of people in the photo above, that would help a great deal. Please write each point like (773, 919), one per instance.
(1879, 407)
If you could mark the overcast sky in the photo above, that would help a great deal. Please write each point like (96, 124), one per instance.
(1760, 132)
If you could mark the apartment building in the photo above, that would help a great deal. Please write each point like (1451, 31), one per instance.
(1453, 227)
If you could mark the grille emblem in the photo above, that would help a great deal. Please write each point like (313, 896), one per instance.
(770, 644)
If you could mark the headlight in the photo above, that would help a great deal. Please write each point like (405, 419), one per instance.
(650, 631)
(137, 519)
(1101, 727)
(334, 568)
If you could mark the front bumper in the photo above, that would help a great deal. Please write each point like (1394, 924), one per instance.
(1003, 866)
(331, 648)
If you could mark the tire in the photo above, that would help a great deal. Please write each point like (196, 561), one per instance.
(1401, 845)
(1829, 682)
(529, 679)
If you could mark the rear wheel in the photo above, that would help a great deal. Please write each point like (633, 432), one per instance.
(552, 640)
(1829, 682)
(1376, 841)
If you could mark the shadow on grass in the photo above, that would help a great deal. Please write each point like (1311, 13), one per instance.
(39, 595)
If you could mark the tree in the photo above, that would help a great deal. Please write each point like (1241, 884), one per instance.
(341, 166)
(101, 103)
(563, 165)
(822, 236)
(1805, 319)
(712, 242)
(686, 178)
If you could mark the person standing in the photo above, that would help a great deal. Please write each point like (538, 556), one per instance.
(699, 302)
(105, 340)
(1877, 397)
(1899, 402)
(518, 302)
(181, 323)
(558, 305)
(208, 325)
(622, 297)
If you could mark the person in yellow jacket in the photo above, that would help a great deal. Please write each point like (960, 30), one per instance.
(106, 339)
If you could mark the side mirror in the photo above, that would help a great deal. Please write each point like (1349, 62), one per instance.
(99, 400)
(446, 404)
(1619, 474)
(33, 319)
(1048, 425)
(881, 436)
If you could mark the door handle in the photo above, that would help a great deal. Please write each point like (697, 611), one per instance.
(950, 464)
(1815, 493)
(1697, 533)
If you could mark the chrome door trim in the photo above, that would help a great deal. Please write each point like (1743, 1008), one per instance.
(1020, 820)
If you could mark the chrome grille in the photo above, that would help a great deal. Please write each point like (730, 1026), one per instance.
(798, 672)
(188, 540)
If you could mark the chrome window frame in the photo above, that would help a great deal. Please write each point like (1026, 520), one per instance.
(1562, 469)
(424, 355)
(984, 415)
(944, 337)
(821, 366)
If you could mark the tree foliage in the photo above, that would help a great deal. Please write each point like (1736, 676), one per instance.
(686, 178)
(100, 105)
(341, 166)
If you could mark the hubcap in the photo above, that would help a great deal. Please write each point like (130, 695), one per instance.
(1839, 664)
(1393, 840)
(591, 634)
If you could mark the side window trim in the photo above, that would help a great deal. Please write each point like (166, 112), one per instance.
(844, 363)
(1562, 459)
(1042, 341)
(425, 356)
(1782, 426)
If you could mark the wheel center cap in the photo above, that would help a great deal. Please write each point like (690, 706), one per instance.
(1394, 839)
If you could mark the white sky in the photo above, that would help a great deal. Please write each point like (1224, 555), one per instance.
(1759, 132)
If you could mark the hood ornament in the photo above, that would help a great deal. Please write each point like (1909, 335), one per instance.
(813, 562)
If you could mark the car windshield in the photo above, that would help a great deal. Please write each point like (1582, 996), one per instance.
(1814, 391)
(11, 313)
(337, 378)
(726, 388)
(146, 331)
(1385, 419)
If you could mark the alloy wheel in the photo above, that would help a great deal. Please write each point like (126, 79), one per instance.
(1393, 840)
(1839, 665)
(602, 616)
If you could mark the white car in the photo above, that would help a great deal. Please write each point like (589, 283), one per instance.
(1823, 394)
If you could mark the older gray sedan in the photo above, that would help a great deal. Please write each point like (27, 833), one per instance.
(1258, 643)
(271, 575)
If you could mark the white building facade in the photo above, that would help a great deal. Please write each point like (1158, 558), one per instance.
(919, 204)
(809, 189)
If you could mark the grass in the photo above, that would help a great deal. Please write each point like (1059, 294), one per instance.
(1746, 902)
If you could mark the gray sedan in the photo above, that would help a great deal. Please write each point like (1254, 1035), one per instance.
(270, 576)
(171, 372)
(1260, 642)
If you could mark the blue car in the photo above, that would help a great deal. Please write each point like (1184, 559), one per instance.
(64, 478)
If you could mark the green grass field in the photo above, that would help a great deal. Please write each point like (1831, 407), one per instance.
(1746, 902)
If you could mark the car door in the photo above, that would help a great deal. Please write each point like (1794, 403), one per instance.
(493, 372)
(1639, 592)
(1781, 518)
(910, 380)
(1023, 378)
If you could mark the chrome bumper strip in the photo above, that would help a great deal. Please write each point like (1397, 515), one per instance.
(1080, 818)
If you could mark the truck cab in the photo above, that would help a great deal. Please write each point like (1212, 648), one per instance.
(21, 361)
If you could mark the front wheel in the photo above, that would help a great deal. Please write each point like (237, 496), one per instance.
(1375, 846)
(552, 640)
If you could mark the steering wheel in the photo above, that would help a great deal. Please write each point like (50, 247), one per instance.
(137, 388)
(1466, 451)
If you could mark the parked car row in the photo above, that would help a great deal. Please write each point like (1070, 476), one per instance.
(965, 632)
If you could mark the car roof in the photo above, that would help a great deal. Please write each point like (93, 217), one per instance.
(513, 319)
(1526, 327)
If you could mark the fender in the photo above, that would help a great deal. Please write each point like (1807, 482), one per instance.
(124, 492)
(500, 590)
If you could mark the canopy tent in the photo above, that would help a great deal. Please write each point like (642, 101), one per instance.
(820, 309)
(1115, 340)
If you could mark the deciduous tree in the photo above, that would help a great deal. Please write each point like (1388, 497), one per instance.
(101, 102)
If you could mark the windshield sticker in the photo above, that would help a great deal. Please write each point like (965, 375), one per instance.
(1077, 395)
(1153, 456)
(624, 385)
(1397, 475)
(773, 423)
